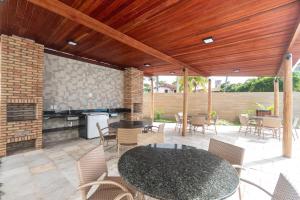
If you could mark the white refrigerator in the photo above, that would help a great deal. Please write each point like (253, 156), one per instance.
(92, 119)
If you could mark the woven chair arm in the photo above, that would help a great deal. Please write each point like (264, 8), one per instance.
(104, 182)
(257, 186)
(120, 196)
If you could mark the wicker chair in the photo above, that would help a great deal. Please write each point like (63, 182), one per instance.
(284, 190)
(112, 120)
(94, 182)
(295, 126)
(127, 137)
(233, 154)
(178, 122)
(105, 134)
(158, 129)
(246, 124)
(198, 121)
(271, 123)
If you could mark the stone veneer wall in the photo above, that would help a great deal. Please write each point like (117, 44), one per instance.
(21, 82)
(133, 93)
(72, 83)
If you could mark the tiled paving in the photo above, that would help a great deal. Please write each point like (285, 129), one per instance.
(51, 173)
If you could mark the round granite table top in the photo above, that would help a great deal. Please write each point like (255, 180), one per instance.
(128, 124)
(178, 172)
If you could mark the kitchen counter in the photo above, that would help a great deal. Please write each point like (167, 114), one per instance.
(71, 113)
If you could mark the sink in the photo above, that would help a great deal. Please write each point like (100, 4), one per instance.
(72, 118)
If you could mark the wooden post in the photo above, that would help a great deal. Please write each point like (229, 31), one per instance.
(276, 97)
(152, 99)
(287, 106)
(209, 101)
(185, 101)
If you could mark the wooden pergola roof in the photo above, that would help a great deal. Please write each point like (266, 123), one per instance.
(249, 36)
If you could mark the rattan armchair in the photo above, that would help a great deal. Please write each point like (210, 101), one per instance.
(105, 134)
(198, 121)
(178, 122)
(233, 154)
(295, 126)
(127, 136)
(94, 182)
(284, 190)
(246, 124)
(273, 124)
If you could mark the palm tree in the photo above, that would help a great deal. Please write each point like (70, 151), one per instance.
(194, 83)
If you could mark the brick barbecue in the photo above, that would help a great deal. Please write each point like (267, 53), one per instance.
(21, 92)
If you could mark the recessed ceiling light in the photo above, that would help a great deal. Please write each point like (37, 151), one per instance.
(72, 43)
(208, 40)
(147, 65)
(172, 73)
(236, 70)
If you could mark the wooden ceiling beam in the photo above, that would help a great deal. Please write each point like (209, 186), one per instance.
(70, 13)
(83, 59)
(290, 44)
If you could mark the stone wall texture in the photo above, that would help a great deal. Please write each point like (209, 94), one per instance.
(79, 85)
(227, 105)
(21, 82)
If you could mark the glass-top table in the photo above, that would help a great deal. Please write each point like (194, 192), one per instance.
(178, 172)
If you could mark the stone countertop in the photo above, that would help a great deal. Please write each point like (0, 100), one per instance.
(66, 113)
(178, 172)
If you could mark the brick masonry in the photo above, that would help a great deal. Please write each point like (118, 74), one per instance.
(21, 81)
(133, 93)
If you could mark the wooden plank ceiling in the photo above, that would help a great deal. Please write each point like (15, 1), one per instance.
(250, 36)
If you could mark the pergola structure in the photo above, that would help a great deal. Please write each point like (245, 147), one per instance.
(196, 37)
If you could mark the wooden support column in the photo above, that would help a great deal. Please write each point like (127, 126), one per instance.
(185, 101)
(276, 97)
(287, 106)
(209, 100)
(152, 99)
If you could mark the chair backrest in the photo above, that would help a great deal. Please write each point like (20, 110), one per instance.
(233, 154)
(91, 166)
(177, 118)
(99, 129)
(161, 128)
(128, 135)
(244, 119)
(271, 122)
(198, 120)
(284, 190)
(112, 120)
(148, 121)
(295, 122)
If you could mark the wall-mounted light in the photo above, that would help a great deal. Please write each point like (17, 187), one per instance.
(236, 70)
(147, 65)
(72, 43)
(208, 40)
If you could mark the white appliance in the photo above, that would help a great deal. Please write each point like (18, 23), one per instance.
(92, 119)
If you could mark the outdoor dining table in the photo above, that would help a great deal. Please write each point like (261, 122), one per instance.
(173, 171)
(128, 124)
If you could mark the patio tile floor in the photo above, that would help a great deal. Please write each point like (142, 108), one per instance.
(50, 173)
